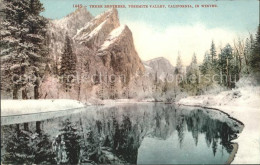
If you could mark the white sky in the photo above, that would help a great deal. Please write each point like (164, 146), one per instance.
(151, 42)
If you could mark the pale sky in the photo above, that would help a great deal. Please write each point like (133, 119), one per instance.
(165, 32)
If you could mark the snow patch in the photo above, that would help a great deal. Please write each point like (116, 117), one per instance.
(113, 36)
(21, 107)
(94, 32)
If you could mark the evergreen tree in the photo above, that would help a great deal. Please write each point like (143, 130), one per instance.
(255, 57)
(193, 68)
(213, 52)
(68, 64)
(206, 64)
(192, 76)
(208, 72)
(165, 87)
(225, 65)
(247, 54)
(23, 43)
(178, 69)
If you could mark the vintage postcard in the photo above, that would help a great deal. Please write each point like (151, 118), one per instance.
(130, 81)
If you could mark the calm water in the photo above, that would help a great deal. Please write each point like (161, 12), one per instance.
(130, 133)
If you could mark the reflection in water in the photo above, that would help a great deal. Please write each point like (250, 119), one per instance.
(134, 133)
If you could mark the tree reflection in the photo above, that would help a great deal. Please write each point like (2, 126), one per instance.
(27, 147)
(214, 130)
(110, 136)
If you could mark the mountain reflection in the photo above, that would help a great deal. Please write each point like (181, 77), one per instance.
(115, 135)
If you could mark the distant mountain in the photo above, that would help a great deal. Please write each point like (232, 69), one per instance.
(159, 65)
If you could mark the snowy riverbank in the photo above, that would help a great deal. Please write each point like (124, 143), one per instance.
(244, 105)
(21, 107)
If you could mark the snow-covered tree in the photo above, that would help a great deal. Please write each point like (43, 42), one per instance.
(179, 65)
(23, 47)
(213, 52)
(192, 75)
(245, 68)
(68, 65)
(255, 58)
(225, 65)
(206, 63)
(192, 71)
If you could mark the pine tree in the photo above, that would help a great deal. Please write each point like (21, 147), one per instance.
(23, 43)
(205, 65)
(207, 70)
(68, 65)
(156, 87)
(165, 87)
(213, 52)
(255, 57)
(194, 59)
(192, 75)
(192, 71)
(225, 65)
(247, 55)
(178, 69)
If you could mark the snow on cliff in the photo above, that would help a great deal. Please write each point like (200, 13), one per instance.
(118, 52)
(94, 33)
(242, 104)
(113, 37)
(74, 21)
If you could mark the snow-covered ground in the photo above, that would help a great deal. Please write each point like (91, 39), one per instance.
(21, 107)
(242, 104)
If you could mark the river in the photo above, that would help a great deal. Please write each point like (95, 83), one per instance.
(141, 133)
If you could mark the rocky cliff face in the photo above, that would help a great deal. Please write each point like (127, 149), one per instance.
(102, 47)
(58, 29)
(74, 21)
(94, 33)
(102, 37)
(118, 52)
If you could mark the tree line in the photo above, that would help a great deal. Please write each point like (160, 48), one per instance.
(223, 67)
